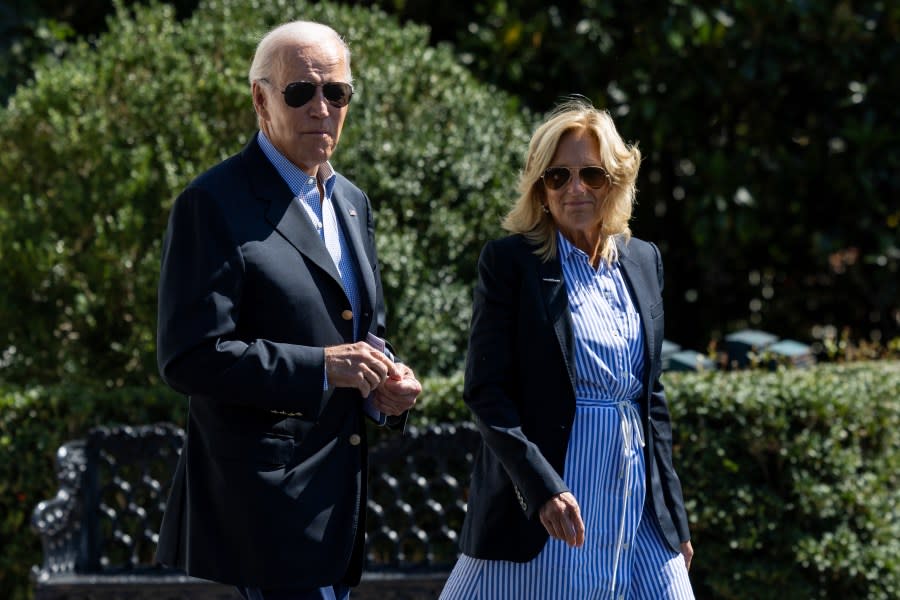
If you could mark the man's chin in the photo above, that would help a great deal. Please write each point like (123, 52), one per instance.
(311, 158)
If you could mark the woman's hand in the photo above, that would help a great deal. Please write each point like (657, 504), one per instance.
(687, 551)
(561, 517)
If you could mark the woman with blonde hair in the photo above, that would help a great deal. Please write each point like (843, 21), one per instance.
(573, 492)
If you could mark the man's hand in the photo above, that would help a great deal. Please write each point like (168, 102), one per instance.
(398, 393)
(561, 517)
(359, 366)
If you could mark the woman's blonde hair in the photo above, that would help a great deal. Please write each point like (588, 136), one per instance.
(620, 160)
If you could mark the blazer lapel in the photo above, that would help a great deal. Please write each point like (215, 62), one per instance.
(284, 213)
(349, 221)
(556, 301)
(640, 295)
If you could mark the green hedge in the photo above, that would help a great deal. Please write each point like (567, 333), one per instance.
(34, 422)
(792, 480)
(791, 477)
(100, 143)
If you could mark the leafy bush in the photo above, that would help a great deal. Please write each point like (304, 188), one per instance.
(441, 401)
(105, 138)
(34, 422)
(792, 480)
(791, 477)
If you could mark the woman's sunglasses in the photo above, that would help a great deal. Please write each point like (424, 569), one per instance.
(300, 92)
(556, 177)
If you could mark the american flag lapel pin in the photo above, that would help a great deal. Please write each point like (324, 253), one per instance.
(352, 212)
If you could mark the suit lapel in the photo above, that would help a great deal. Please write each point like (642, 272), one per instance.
(349, 221)
(288, 218)
(640, 295)
(556, 301)
(284, 213)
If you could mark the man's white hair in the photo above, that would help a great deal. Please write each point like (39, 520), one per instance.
(307, 32)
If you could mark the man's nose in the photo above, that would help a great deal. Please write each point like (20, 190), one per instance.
(318, 105)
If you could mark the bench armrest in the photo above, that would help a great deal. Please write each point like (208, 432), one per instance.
(58, 520)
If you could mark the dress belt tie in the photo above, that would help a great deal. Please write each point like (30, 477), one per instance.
(629, 424)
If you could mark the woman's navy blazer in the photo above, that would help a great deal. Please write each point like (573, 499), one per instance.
(519, 384)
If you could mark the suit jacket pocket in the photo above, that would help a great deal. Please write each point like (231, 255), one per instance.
(264, 449)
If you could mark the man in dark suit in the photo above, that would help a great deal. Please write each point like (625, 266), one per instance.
(271, 320)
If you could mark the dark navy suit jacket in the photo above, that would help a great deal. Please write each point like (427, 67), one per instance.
(520, 387)
(270, 487)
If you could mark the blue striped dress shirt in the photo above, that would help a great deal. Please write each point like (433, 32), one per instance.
(609, 340)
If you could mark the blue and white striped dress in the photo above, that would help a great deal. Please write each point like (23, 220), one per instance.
(623, 555)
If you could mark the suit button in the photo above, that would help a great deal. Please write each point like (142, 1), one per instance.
(347, 315)
(355, 440)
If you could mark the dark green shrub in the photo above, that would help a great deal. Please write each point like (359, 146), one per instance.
(791, 477)
(792, 480)
(34, 422)
(771, 168)
(102, 141)
(441, 401)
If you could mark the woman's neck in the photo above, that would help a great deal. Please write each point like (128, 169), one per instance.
(589, 242)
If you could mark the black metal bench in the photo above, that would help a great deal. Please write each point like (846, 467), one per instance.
(99, 533)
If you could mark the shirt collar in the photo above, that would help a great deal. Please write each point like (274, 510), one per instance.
(569, 252)
(565, 247)
(298, 181)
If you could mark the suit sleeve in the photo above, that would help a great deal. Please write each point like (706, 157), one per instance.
(490, 376)
(198, 349)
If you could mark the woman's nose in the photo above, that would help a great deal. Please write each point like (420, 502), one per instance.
(575, 182)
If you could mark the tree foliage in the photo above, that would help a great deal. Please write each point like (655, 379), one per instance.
(33, 30)
(770, 132)
(104, 138)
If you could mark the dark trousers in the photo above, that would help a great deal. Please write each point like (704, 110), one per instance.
(336, 592)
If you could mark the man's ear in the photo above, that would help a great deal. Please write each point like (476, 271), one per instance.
(260, 100)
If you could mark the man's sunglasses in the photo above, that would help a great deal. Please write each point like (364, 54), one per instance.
(556, 177)
(300, 92)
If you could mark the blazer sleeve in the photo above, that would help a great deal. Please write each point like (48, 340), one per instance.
(198, 349)
(491, 373)
(661, 425)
